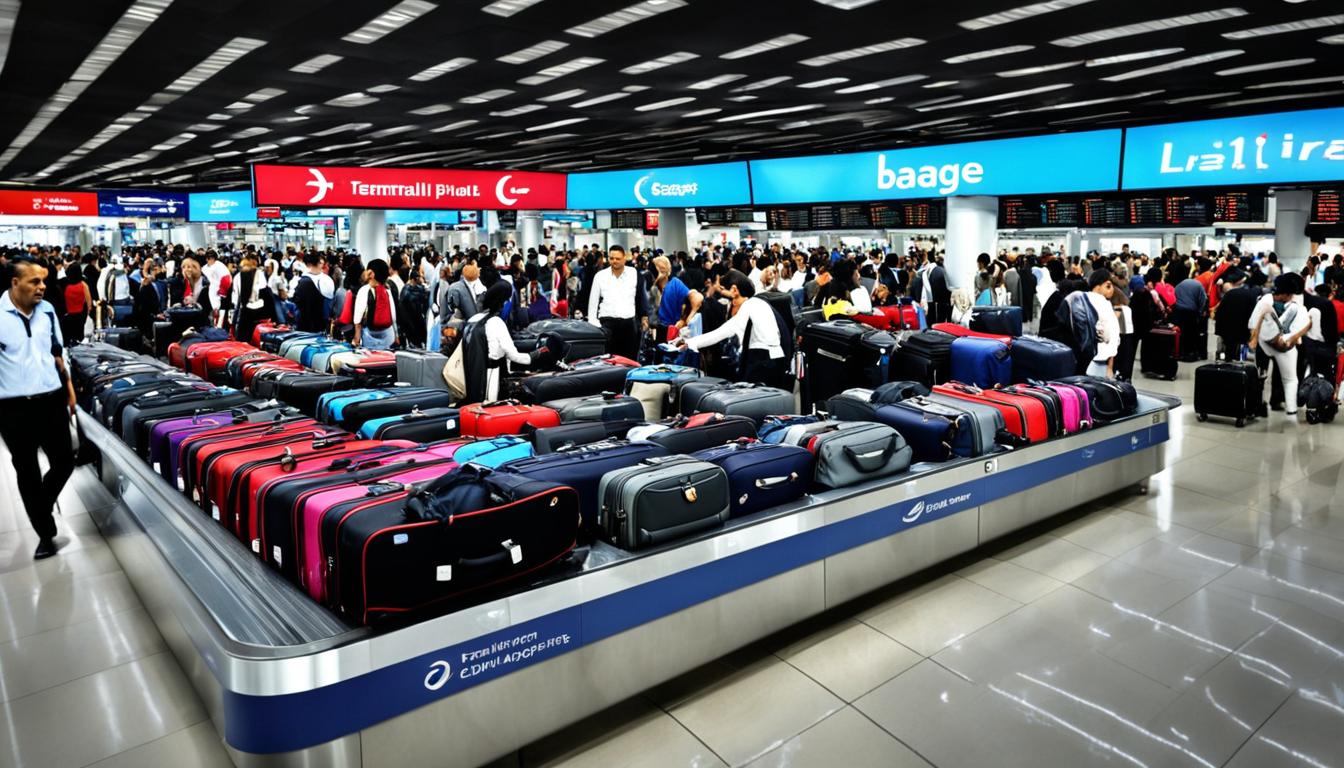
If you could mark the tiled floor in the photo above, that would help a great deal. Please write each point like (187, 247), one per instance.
(1201, 624)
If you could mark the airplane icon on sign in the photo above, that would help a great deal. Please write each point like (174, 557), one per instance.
(320, 183)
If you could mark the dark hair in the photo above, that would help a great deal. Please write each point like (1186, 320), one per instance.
(741, 282)
(494, 298)
(1098, 277)
(312, 258)
(380, 269)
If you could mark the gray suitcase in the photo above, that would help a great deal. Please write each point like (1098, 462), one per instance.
(607, 406)
(661, 499)
(989, 420)
(421, 369)
(858, 451)
(750, 400)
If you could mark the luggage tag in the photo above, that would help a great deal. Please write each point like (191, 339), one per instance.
(515, 550)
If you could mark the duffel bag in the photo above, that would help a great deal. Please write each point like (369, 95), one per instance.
(850, 452)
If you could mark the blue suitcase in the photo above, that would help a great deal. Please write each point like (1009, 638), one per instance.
(271, 340)
(933, 431)
(331, 406)
(1040, 359)
(310, 353)
(983, 362)
(582, 469)
(322, 357)
(774, 428)
(1002, 320)
(423, 426)
(761, 476)
(493, 452)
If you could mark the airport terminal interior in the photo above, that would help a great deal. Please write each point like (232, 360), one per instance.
(671, 383)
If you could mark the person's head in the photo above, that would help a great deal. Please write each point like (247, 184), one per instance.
(28, 284)
(73, 274)
(663, 266)
(495, 297)
(737, 286)
(210, 256)
(191, 269)
(312, 260)
(1153, 276)
(1323, 291)
(1284, 286)
(1056, 270)
(380, 269)
(1099, 282)
(471, 271)
(616, 258)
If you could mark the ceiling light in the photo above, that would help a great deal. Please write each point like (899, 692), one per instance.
(989, 54)
(703, 112)
(770, 112)
(1088, 118)
(316, 64)
(1191, 61)
(516, 111)
(1017, 14)
(1093, 102)
(880, 100)
(556, 124)
(628, 15)
(665, 104)
(483, 97)
(599, 100)
(262, 148)
(997, 97)
(759, 84)
(930, 123)
(1201, 97)
(384, 88)
(389, 21)
(230, 153)
(343, 128)
(248, 133)
(659, 63)
(560, 70)
(384, 133)
(533, 52)
(1263, 67)
(824, 83)
(1332, 40)
(432, 109)
(337, 147)
(940, 84)
(743, 98)
(1038, 69)
(1288, 26)
(873, 86)
(507, 8)
(450, 65)
(773, 44)
(867, 50)
(1295, 83)
(1281, 97)
(1143, 27)
(634, 88)
(846, 5)
(453, 126)
(563, 95)
(714, 82)
(929, 102)
(356, 99)
(211, 65)
(1121, 58)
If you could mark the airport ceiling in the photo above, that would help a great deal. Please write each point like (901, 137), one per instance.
(187, 93)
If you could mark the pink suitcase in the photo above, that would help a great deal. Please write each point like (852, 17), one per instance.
(1077, 414)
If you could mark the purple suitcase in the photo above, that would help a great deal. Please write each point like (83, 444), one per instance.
(166, 436)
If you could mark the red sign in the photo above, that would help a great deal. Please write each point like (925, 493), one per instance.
(223, 227)
(345, 187)
(268, 213)
(32, 203)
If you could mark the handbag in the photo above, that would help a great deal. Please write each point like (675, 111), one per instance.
(455, 373)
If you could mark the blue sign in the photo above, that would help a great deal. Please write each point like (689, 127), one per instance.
(136, 202)
(1068, 162)
(1262, 149)
(221, 206)
(687, 186)
(423, 217)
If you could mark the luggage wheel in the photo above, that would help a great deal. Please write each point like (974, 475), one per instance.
(1202, 416)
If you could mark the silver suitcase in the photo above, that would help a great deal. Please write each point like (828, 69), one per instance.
(661, 499)
(421, 369)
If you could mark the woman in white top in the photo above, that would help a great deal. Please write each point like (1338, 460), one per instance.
(762, 359)
(1278, 323)
(487, 345)
(375, 310)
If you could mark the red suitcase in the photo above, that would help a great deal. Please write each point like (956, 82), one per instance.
(959, 330)
(504, 417)
(1023, 415)
(197, 454)
(266, 328)
(892, 318)
(223, 469)
(213, 356)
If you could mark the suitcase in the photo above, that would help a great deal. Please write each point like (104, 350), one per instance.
(607, 406)
(1069, 393)
(924, 357)
(570, 339)
(1232, 390)
(195, 452)
(372, 373)
(264, 328)
(839, 354)
(210, 359)
(183, 319)
(1107, 399)
(851, 452)
(1004, 321)
(754, 401)
(903, 317)
(697, 437)
(292, 348)
(309, 355)
(896, 391)
(163, 337)
(982, 362)
(233, 369)
(567, 436)
(761, 476)
(504, 417)
(1024, 416)
(162, 433)
(399, 401)
(421, 369)
(658, 387)
(1160, 352)
(273, 341)
(139, 416)
(222, 469)
(689, 394)
(983, 423)
(782, 430)
(397, 555)
(962, 332)
(302, 390)
(582, 469)
(1049, 399)
(252, 368)
(851, 405)
(494, 452)
(1039, 359)
(662, 499)
(934, 432)
(123, 338)
(423, 425)
(591, 376)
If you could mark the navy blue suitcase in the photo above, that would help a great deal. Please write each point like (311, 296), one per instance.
(761, 475)
(582, 469)
(934, 432)
(1040, 359)
(983, 362)
(1002, 320)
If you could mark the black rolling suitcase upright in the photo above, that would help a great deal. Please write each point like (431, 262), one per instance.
(840, 354)
(1160, 352)
(1232, 390)
(924, 357)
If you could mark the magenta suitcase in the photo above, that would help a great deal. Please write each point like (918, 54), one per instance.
(1075, 402)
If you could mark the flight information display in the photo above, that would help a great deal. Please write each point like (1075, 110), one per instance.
(632, 218)
(1239, 207)
(1325, 207)
(724, 216)
(1105, 212)
(1199, 209)
(915, 214)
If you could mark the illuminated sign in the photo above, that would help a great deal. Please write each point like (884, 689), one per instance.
(392, 188)
(685, 186)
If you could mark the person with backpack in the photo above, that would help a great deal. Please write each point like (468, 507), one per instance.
(313, 295)
(487, 345)
(375, 310)
(252, 299)
(413, 309)
(765, 344)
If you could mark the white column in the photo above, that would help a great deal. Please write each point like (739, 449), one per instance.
(530, 230)
(622, 237)
(671, 235)
(85, 239)
(972, 229)
(196, 235)
(1292, 209)
(368, 234)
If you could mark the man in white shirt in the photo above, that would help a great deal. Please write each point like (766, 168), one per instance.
(1108, 325)
(617, 303)
(763, 360)
(216, 272)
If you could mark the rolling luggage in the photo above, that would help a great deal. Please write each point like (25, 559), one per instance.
(399, 401)
(183, 319)
(607, 406)
(423, 425)
(222, 469)
(896, 391)
(210, 359)
(662, 499)
(123, 338)
(194, 452)
(140, 415)
(591, 376)
(233, 369)
(658, 387)
(754, 401)
(309, 355)
(982, 362)
(1024, 416)
(761, 476)
(851, 452)
(302, 390)
(1079, 409)
(707, 434)
(582, 469)
(177, 351)
(463, 532)
(1232, 390)
(961, 331)
(690, 393)
(924, 357)
(494, 452)
(1107, 399)
(1005, 321)
(251, 368)
(935, 431)
(1160, 353)
(851, 405)
(273, 341)
(163, 337)
(163, 431)
(1035, 358)
(1049, 399)
(1317, 396)
(567, 436)
(570, 340)
(292, 347)
(421, 369)
(504, 417)
(839, 354)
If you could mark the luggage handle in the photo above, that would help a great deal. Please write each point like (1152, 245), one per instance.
(766, 483)
(870, 461)
(494, 403)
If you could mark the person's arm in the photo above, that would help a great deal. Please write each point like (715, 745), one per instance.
(69, 384)
(595, 299)
(361, 304)
(733, 326)
(641, 301)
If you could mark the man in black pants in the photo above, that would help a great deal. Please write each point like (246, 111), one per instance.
(37, 399)
(617, 304)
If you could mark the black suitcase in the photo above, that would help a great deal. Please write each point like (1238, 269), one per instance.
(690, 393)
(1159, 353)
(302, 390)
(568, 436)
(783, 304)
(582, 468)
(608, 406)
(182, 319)
(1232, 390)
(570, 340)
(1001, 320)
(421, 425)
(751, 400)
(163, 336)
(840, 354)
(403, 401)
(924, 357)
(578, 382)
(141, 414)
(125, 338)
(712, 433)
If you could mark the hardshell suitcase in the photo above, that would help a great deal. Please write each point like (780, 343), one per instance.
(494, 452)
(760, 475)
(1035, 358)
(302, 390)
(233, 369)
(658, 387)
(421, 369)
(1024, 416)
(163, 336)
(504, 417)
(1232, 390)
(140, 415)
(961, 332)
(982, 362)
(183, 319)
(567, 436)
(924, 357)
(662, 499)
(1005, 321)
(210, 359)
(689, 393)
(1160, 352)
(582, 468)
(842, 353)
(571, 339)
(125, 338)
(423, 425)
(607, 406)
(400, 401)
(851, 452)
(935, 432)
(754, 401)
(716, 431)
(1107, 399)
(896, 391)
(1079, 396)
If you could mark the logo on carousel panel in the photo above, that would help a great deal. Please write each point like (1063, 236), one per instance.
(924, 507)
(914, 512)
(321, 184)
(439, 675)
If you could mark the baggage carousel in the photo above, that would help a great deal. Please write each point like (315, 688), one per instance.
(286, 682)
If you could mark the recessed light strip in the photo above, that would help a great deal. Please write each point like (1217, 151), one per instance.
(1144, 27)
(1019, 13)
(1288, 26)
(1263, 67)
(316, 64)
(389, 21)
(873, 86)
(773, 44)
(997, 97)
(624, 17)
(1121, 58)
(989, 54)
(1192, 61)
(533, 52)
(867, 50)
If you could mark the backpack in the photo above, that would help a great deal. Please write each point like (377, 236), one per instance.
(348, 309)
(1078, 320)
(328, 302)
(379, 314)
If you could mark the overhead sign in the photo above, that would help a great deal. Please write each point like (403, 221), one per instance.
(1068, 162)
(1285, 147)
(686, 186)
(388, 188)
(136, 202)
(422, 217)
(220, 206)
(35, 203)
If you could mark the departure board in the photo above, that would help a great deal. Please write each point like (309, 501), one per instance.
(718, 217)
(824, 216)
(1188, 211)
(508, 219)
(632, 218)
(1146, 211)
(855, 216)
(1105, 212)
(788, 218)
(1062, 213)
(916, 214)
(1242, 207)
(1021, 213)
(925, 215)
(886, 215)
(1325, 207)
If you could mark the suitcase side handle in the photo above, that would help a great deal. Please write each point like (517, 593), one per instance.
(871, 460)
(766, 483)
(493, 403)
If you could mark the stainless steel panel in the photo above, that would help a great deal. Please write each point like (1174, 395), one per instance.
(341, 753)
(1003, 516)
(865, 568)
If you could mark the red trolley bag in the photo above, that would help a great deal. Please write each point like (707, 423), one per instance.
(199, 456)
(266, 327)
(186, 449)
(209, 357)
(504, 417)
(225, 469)
(1023, 415)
